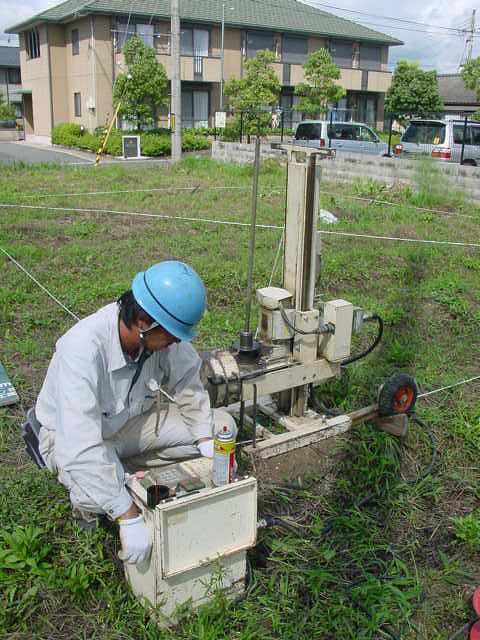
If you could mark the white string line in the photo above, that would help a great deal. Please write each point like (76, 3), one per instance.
(104, 193)
(77, 318)
(272, 192)
(237, 224)
(395, 239)
(396, 204)
(160, 216)
(450, 386)
(27, 273)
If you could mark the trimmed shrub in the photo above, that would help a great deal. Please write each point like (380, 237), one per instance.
(153, 143)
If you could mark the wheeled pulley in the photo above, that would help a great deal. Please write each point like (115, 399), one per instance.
(397, 395)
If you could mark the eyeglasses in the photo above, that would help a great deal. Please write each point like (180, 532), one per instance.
(154, 325)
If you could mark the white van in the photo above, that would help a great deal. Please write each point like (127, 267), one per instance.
(441, 139)
(342, 136)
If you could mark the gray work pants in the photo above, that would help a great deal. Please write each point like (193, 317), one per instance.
(137, 446)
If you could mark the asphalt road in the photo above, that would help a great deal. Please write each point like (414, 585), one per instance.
(17, 152)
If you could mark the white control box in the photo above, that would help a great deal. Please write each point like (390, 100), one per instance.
(200, 539)
(336, 347)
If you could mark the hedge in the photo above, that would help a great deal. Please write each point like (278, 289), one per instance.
(153, 143)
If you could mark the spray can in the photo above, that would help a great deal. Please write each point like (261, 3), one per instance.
(223, 457)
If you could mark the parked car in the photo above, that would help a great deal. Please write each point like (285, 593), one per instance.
(441, 139)
(342, 136)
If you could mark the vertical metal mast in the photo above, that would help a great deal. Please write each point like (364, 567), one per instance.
(176, 82)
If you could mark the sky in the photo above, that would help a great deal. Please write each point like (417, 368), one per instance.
(433, 47)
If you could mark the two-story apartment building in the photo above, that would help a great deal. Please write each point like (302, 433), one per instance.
(71, 55)
(10, 80)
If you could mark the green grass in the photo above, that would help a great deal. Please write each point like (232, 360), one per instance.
(373, 556)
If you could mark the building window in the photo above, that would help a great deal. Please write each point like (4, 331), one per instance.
(356, 56)
(32, 43)
(195, 42)
(77, 104)
(75, 42)
(342, 53)
(195, 109)
(145, 33)
(259, 41)
(13, 76)
(294, 50)
(126, 28)
(370, 58)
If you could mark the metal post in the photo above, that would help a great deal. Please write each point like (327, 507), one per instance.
(463, 139)
(253, 230)
(222, 60)
(283, 124)
(241, 127)
(330, 131)
(390, 131)
(300, 247)
(176, 83)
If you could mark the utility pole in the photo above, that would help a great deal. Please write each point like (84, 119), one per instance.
(176, 107)
(469, 39)
(222, 57)
(471, 36)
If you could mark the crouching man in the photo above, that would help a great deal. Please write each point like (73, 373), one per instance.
(97, 404)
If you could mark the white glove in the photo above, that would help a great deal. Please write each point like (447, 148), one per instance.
(135, 539)
(206, 448)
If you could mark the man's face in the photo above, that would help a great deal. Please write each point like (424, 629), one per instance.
(156, 339)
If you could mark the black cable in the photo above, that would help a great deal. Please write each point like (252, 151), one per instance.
(327, 328)
(374, 344)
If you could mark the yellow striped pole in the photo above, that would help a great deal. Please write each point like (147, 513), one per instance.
(106, 136)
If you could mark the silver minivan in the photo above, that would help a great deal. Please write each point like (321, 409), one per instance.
(353, 137)
(441, 139)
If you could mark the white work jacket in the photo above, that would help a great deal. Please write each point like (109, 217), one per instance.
(85, 401)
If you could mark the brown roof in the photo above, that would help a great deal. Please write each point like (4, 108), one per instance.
(453, 91)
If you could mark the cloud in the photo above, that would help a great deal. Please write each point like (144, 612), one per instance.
(439, 50)
(12, 12)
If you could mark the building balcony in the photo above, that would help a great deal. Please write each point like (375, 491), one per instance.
(195, 68)
(379, 81)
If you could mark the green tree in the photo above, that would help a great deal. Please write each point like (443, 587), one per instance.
(320, 87)
(471, 77)
(413, 92)
(258, 89)
(7, 112)
(144, 88)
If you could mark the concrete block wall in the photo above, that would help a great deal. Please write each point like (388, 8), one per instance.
(352, 167)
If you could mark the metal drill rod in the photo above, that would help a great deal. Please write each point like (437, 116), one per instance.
(253, 229)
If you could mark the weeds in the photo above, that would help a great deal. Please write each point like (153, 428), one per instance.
(365, 555)
(467, 530)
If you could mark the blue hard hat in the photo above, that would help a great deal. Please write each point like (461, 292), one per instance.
(173, 294)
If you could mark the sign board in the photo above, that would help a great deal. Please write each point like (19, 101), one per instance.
(220, 120)
(131, 147)
(8, 395)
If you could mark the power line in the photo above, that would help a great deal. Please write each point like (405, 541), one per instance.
(315, 3)
(439, 32)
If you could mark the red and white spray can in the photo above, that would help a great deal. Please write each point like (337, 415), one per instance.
(223, 457)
